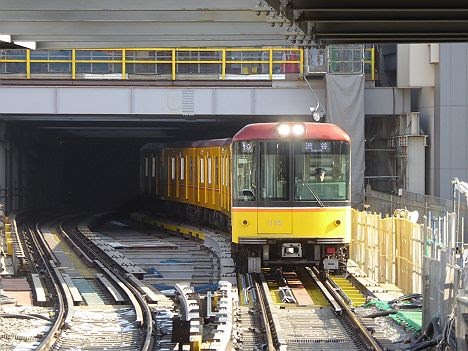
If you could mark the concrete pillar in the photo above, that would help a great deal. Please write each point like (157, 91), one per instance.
(425, 105)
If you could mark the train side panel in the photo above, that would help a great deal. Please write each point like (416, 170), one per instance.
(199, 176)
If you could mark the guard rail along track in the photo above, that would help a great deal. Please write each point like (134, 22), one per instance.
(43, 260)
(93, 256)
(125, 279)
(274, 338)
(274, 334)
(341, 308)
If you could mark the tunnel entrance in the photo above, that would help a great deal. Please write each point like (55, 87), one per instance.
(89, 165)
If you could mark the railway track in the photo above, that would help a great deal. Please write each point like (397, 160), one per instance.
(298, 322)
(265, 319)
(80, 319)
(199, 261)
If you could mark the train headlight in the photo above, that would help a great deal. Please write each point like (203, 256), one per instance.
(284, 130)
(298, 129)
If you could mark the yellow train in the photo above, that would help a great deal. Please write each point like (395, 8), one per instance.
(281, 189)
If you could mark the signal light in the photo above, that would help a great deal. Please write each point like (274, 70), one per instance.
(330, 250)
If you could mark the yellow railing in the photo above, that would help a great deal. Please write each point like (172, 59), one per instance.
(370, 61)
(290, 60)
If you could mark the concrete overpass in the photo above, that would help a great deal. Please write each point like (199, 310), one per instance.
(52, 24)
(69, 105)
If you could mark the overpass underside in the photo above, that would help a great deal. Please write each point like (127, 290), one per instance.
(54, 24)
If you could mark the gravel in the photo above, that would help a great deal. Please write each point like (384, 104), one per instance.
(22, 334)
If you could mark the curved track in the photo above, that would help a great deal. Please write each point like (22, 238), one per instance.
(89, 326)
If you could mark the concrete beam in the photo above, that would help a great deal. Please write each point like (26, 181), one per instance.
(137, 42)
(164, 103)
(387, 101)
(115, 28)
(131, 16)
(127, 5)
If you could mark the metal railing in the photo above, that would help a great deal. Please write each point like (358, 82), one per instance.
(342, 59)
(153, 63)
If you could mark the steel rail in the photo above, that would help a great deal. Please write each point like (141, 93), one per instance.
(357, 325)
(266, 314)
(103, 258)
(43, 250)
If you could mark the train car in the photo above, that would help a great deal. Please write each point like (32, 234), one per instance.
(281, 189)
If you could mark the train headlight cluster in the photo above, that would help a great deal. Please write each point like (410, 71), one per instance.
(298, 129)
(285, 130)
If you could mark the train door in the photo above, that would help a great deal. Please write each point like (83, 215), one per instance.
(274, 179)
(244, 190)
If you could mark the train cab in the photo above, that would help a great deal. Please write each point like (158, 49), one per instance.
(291, 194)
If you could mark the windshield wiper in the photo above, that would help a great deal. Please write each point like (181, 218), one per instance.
(313, 193)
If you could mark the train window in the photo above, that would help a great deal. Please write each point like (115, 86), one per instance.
(244, 168)
(222, 170)
(153, 167)
(182, 168)
(202, 170)
(274, 170)
(191, 170)
(146, 166)
(173, 168)
(321, 170)
(216, 171)
(209, 170)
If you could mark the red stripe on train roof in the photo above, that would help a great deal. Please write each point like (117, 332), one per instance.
(266, 131)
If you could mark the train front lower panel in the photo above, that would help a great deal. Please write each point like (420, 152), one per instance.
(251, 224)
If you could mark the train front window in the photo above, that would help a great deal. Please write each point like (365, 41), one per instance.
(274, 170)
(244, 169)
(321, 169)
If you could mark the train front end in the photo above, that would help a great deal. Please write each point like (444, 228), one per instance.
(291, 195)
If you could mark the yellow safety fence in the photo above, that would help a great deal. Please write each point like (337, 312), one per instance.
(388, 250)
(162, 61)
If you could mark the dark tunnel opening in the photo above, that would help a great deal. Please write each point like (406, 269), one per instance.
(89, 166)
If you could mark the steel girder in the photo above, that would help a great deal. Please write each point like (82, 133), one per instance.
(369, 21)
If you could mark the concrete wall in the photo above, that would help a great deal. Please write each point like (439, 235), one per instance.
(416, 65)
(450, 128)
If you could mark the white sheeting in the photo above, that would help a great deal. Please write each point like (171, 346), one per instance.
(345, 108)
